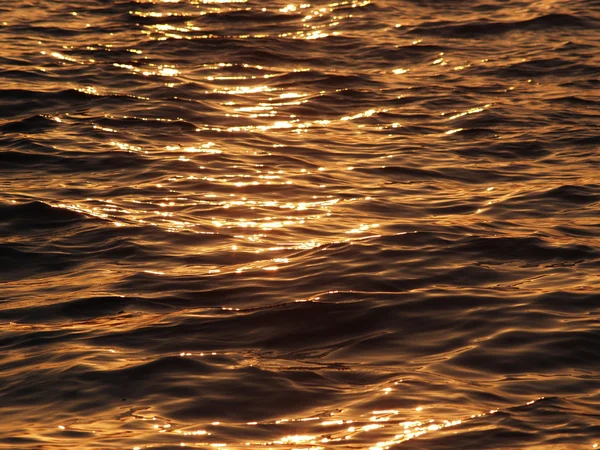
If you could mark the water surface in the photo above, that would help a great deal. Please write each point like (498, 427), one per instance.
(353, 224)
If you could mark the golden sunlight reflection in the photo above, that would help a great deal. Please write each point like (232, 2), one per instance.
(245, 176)
(150, 69)
(317, 22)
(469, 111)
(375, 430)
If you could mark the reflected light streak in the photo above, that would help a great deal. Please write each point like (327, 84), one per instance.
(162, 70)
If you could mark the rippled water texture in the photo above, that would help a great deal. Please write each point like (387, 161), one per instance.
(244, 224)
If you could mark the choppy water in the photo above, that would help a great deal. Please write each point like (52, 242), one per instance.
(360, 224)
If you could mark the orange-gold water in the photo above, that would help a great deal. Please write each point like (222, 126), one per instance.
(289, 225)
